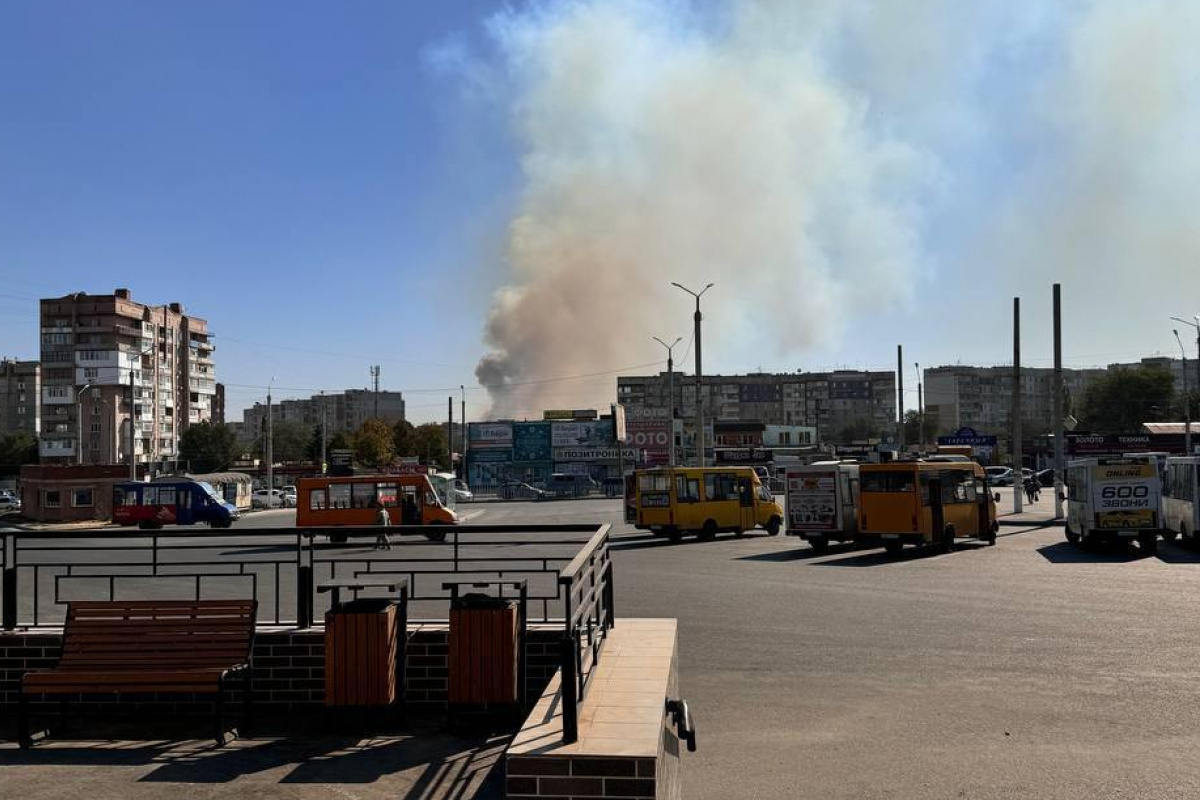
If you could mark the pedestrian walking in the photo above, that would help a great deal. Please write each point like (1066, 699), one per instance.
(383, 541)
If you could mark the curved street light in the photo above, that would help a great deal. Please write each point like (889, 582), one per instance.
(699, 371)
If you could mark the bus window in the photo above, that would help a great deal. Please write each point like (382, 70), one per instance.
(687, 490)
(388, 495)
(318, 499)
(125, 498)
(362, 495)
(654, 482)
(720, 486)
(339, 495)
(898, 481)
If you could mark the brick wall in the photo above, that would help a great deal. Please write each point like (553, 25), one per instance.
(289, 668)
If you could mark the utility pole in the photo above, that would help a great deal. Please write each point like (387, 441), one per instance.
(462, 435)
(270, 447)
(79, 422)
(696, 318)
(1195, 323)
(1059, 412)
(670, 397)
(132, 445)
(450, 430)
(324, 432)
(900, 435)
(375, 376)
(1187, 410)
(1018, 473)
(920, 409)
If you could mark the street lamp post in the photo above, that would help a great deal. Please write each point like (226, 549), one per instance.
(1195, 323)
(79, 422)
(670, 397)
(1187, 405)
(920, 409)
(696, 318)
(270, 447)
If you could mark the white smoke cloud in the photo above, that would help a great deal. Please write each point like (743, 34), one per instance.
(819, 160)
(657, 150)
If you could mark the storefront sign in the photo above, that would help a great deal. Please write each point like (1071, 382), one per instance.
(579, 434)
(491, 456)
(743, 455)
(531, 441)
(650, 436)
(967, 437)
(594, 454)
(490, 434)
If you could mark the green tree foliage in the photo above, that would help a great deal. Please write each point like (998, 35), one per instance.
(312, 450)
(289, 441)
(373, 445)
(404, 437)
(913, 428)
(1120, 401)
(858, 430)
(17, 450)
(429, 443)
(209, 448)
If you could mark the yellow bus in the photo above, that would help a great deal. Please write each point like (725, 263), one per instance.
(703, 500)
(356, 500)
(925, 502)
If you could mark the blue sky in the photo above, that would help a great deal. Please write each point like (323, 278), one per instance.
(331, 184)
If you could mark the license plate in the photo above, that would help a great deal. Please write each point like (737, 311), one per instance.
(1127, 534)
(890, 536)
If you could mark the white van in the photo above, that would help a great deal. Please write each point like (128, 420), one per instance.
(1181, 498)
(822, 502)
(1115, 499)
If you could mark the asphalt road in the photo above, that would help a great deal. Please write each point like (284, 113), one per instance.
(1029, 669)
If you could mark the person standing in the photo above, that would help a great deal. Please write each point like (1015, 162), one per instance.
(383, 541)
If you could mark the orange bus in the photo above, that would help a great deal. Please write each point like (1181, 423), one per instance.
(356, 500)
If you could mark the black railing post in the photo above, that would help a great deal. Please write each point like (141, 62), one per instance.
(611, 617)
(9, 596)
(569, 688)
(304, 585)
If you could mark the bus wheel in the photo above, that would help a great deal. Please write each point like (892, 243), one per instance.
(338, 538)
(1072, 536)
(773, 526)
(990, 539)
(1148, 542)
(436, 536)
(675, 535)
(739, 533)
(947, 543)
(709, 531)
(819, 544)
(1169, 535)
(893, 547)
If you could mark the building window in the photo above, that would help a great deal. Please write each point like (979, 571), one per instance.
(51, 498)
(95, 427)
(81, 498)
(91, 372)
(20, 409)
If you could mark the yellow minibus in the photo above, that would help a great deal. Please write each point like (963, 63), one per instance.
(925, 502)
(703, 500)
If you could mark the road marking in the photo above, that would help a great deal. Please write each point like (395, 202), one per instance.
(472, 515)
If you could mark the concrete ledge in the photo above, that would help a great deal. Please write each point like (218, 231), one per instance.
(627, 746)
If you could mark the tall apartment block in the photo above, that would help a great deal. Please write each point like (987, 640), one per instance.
(342, 412)
(20, 408)
(110, 363)
(841, 405)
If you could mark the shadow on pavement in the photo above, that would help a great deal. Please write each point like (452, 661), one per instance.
(1177, 553)
(421, 764)
(1067, 553)
(881, 558)
(640, 542)
(803, 552)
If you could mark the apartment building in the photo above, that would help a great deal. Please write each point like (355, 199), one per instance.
(342, 412)
(20, 409)
(981, 397)
(116, 370)
(839, 405)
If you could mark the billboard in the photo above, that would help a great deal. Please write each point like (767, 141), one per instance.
(581, 434)
(620, 434)
(653, 437)
(531, 442)
(576, 414)
(489, 434)
(594, 454)
(491, 456)
(967, 436)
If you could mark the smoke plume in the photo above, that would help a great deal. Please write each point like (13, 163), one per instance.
(819, 160)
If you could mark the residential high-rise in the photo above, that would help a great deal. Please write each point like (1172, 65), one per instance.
(844, 405)
(109, 363)
(19, 405)
(344, 412)
(981, 397)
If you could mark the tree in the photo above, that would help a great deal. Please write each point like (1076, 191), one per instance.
(209, 448)
(857, 430)
(312, 450)
(913, 428)
(373, 444)
(404, 437)
(17, 450)
(289, 441)
(429, 442)
(1123, 399)
(340, 441)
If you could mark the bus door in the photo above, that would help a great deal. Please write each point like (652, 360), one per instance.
(746, 519)
(982, 499)
(937, 514)
(630, 481)
(411, 504)
(184, 514)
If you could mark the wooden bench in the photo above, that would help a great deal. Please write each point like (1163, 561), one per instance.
(150, 646)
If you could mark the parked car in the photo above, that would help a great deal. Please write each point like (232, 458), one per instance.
(9, 502)
(1046, 477)
(462, 492)
(999, 476)
(517, 490)
(272, 498)
(563, 485)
